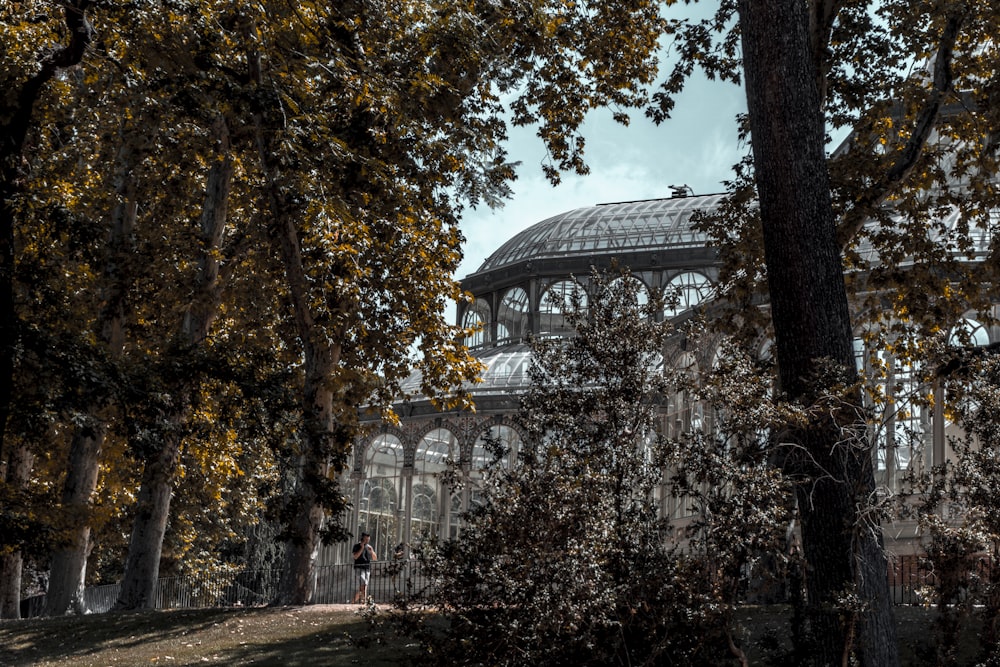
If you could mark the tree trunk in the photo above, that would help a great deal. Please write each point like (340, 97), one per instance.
(10, 564)
(298, 575)
(321, 348)
(298, 580)
(10, 452)
(809, 308)
(16, 111)
(322, 353)
(142, 566)
(16, 472)
(10, 585)
(8, 313)
(68, 570)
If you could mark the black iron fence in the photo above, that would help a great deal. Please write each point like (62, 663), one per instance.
(335, 584)
(910, 583)
(913, 582)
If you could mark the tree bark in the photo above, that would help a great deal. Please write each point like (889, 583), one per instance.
(68, 568)
(321, 349)
(142, 566)
(16, 472)
(10, 585)
(321, 356)
(10, 564)
(298, 581)
(17, 117)
(809, 308)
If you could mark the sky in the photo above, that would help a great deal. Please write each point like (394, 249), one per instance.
(697, 146)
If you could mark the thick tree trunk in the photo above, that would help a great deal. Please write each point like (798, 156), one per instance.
(842, 546)
(8, 314)
(142, 566)
(298, 574)
(16, 111)
(321, 347)
(16, 470)
(10, 564)
(10, 454)
(322, 354)
(68, 568)
(67, 573)
(298, 581)
(10, 585)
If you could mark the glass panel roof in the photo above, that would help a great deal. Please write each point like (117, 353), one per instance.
(506, 370)
(625, 226)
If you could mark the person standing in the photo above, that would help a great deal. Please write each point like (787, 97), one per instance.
(363, 556)
(399, 558)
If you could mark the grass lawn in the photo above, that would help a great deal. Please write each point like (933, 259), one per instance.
(329, 635)
(291, 636)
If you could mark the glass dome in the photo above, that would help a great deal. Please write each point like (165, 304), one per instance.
(624, 226)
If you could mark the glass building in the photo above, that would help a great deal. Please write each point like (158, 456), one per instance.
(398, 491)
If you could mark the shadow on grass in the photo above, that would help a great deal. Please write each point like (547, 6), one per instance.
(337, 636)
(34, 641)
(353, 644)
(288, 636)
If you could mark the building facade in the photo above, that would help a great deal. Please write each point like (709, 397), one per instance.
(397, 475)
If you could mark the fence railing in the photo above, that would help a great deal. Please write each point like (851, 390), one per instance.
(254, 588)
(909, 582)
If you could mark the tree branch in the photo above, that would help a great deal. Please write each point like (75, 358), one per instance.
(821, 16)
(941, 85)
(81, 34)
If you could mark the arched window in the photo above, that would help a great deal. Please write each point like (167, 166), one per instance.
(969, 332)
(377, 514)
(509, 440)
(380, 492)
(512, 316)
(477, 317)
(690, 289)
(680, 408)
(641, 293)
(556, 301)
(431, 459)
(424, 513)
(455, 515)
(384, 456)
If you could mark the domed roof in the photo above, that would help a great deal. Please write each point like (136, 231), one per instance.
(619, 227)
